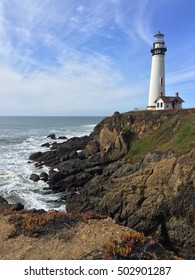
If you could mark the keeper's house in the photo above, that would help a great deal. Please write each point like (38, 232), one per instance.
(168, 102)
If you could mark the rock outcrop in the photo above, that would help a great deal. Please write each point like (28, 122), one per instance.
(138, 168)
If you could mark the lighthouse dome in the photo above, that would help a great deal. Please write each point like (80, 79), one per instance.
(159, 38)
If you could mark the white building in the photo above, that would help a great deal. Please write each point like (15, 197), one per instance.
(157, 99)
(168, 102)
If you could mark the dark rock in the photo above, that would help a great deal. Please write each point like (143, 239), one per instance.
(39, 165)
(62, 137)
(46, 145)
(54, 145)
(116, 113)
(88, 198)
(61, 152)
(95, 159)
(3, 200)
(52, 136)
(56, 177)
(75, 143)
(35, 156)
(37, 211)
(73, 154)
(4, 205)
(81, 154)
(94, 170)
(72, 182)
(72, 164)
(44, 176)
(18, 207)
(34, 177)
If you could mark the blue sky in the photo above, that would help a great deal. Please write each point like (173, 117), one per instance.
(91, 57)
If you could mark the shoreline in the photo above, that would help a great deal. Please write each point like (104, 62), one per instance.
(151, 192)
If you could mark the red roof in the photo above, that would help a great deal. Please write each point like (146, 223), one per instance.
(170, 99)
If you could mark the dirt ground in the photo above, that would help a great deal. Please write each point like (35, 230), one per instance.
(82, 241)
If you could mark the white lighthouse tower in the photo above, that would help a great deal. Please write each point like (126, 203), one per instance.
(157, 78)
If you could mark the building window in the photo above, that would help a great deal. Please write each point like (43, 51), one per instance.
(161, 104)
(157, 105)
(161, 81)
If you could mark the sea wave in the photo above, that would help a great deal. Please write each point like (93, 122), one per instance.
(21, 137)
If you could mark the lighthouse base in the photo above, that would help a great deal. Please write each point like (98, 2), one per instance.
(151, 107)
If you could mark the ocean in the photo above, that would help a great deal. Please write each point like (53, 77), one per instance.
(22, 136)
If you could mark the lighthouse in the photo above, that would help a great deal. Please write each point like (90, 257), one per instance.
(157, 78)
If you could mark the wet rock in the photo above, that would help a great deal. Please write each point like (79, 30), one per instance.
(56, 177)
(44, 176)
(52, 136)
(34, 177)
(39, 165)
(75, 143)
(62, 137)
(5, 206)
(71, 183)
(3, 200)
(18, 207)
(35, 156)
(46, 145)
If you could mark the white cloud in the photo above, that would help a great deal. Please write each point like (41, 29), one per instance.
(55, 59)
(134, 19)
(88, 87)
(181, 76)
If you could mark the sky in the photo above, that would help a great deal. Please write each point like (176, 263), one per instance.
(91, 57)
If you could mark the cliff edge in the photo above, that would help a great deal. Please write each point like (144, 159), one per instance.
(138, 168)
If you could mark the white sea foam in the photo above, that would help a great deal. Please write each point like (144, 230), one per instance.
(89, 125)
(20, 137)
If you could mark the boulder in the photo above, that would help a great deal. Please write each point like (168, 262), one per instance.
(44, 176)
(35, 156)
(52, 136)
(75, 143)
(3, 200)
(4, 206)
(46, 145)
(34, 177)
(18, 207)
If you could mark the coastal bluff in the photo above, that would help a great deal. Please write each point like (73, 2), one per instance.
(137, 169)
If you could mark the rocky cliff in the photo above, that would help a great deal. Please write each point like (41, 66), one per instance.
(138, 168)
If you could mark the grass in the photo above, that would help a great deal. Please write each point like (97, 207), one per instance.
(176, 135)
